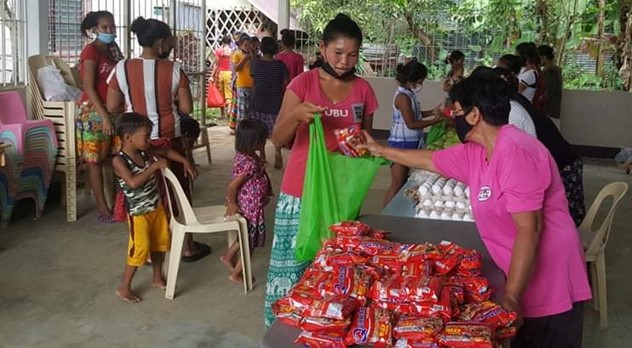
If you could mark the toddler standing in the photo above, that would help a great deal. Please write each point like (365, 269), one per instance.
(249, 191)
(148, 225)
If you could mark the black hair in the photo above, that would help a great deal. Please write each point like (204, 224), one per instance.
(342, 25)
(528, 53)
(512, 63)
(244, 37)
(130, 122)
(489, 73)
(413, 71)
(255, 39)
(509, 77)
(455, 56)
(226, 39)
(92, 20)
(490, 94)
(288, 38)
(547, 51)
(148, 31)
(269, 46)
(250, 135)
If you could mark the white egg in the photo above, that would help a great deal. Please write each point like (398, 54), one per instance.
(457, 217)
(450, 204)
(423, 190)
(434, 215)
(467, 217)
(445, 216)
(458, 191)
(438, 204)
(427, 203)
(460, 205)
(467, 192)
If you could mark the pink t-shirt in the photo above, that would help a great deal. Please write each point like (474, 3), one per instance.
(521, 177)
(294, 63)
(360, 103)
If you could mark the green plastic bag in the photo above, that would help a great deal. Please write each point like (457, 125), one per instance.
(436, 132)
(334, 189)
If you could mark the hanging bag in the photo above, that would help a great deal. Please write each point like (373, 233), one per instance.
(214, 99)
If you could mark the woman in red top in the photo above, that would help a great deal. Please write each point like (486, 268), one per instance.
(94, 127)
(222, 74)
(293, 61)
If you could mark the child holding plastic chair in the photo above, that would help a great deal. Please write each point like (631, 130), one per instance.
(249, 191)
(148, 225)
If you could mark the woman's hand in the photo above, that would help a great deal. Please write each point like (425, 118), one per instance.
(371, 145)
(161, 163)
(510, 303)
(106, 126)
(231, 209)
(189, 170)
(305, 111)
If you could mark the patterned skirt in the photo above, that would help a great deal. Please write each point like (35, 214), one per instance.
(244, 103)
(284, 270)
(572, 177)
(268, 119)
(93, 146)
(232, 109)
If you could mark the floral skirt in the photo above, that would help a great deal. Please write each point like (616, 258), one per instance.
(93, 146)
(572, 177)
(284, 270)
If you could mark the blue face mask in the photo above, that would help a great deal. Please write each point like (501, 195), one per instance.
(106, 38)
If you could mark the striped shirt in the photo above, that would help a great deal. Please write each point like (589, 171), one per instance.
(269, 77)
(144, 199)
(150, 87)
(399, 131)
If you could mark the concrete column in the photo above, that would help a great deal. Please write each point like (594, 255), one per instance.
(37, 27)
(283, 20)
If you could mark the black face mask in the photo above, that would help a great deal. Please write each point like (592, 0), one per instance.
(462, 127)
(330, 70)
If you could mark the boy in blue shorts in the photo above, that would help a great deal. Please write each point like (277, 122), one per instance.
(148, 225)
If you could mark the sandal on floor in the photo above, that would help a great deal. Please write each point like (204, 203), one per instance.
(203, 250)
(104, 219)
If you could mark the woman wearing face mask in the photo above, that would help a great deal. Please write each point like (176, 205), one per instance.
(343, 99)
(456, 59)
(520, 209)
(150, 86)
(408, 124)
(94, 125)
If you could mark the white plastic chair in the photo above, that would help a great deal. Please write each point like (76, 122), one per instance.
(595, 241)
(208, 219)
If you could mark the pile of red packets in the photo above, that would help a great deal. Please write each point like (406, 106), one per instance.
(348, 139)
(363, 289)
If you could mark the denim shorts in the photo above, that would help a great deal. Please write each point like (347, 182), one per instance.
(404, 144)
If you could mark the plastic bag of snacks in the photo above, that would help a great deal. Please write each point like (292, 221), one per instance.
(417, 328)
(372, 326)
(322, 339)
(335, 307)
(285, 313)
(420, 289)
(349, 138)
(476, 289)
(424, 343)
(365, 245)
(470, 335)
(470, 265)
(487, 312)
(350, 229)
(324, 324)
(452, 255)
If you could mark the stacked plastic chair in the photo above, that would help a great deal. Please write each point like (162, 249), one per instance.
(29, 161)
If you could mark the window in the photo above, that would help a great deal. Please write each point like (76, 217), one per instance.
(12, 49)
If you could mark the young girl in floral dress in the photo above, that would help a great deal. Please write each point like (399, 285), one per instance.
(249, 190)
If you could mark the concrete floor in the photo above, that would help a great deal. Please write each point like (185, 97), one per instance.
(58, 278)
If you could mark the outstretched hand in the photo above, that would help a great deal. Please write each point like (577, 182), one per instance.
(371, 145)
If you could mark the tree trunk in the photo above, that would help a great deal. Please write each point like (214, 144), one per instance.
(600, 37)
(421, 36)
(569, 25)
(625, 44)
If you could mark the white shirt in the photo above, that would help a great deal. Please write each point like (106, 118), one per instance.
(528, 78)
(520, 118)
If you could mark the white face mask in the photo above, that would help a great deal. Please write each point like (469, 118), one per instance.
(418, 89)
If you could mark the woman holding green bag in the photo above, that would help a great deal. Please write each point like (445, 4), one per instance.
(343, 99)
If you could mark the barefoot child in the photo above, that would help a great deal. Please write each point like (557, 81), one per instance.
(249, 191)
(149, 228)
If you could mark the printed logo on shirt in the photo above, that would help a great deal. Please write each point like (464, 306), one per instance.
(358, 112)
(337, 112)
(484, 193)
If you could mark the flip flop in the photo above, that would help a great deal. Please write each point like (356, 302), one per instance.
(203, 250)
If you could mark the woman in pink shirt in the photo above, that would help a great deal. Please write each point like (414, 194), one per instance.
(520, 208)
(293, 61)
(343, 99)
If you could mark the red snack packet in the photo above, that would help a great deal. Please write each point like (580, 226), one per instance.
(350, 229)
(324, 324)
(487, 312)
(340, 282)
(284, 312)
(334, 307)
(416, 269)
(372, 326)
(452, 254)
(379, 234)
(361, 284)
(420, 289)
(470, 335)
(506, 332)
(386, 289)
(311, 282)
(365, 245)
(349, 138)
(476, 289)
(470, 265)
(322, 339)
(388, 260)
(419, 252)
(417, 328)
(423, 343)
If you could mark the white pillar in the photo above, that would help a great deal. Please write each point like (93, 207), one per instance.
(37, 27)
(283, 20)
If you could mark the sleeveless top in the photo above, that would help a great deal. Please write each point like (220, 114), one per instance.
(399, 131)
(144, 199)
